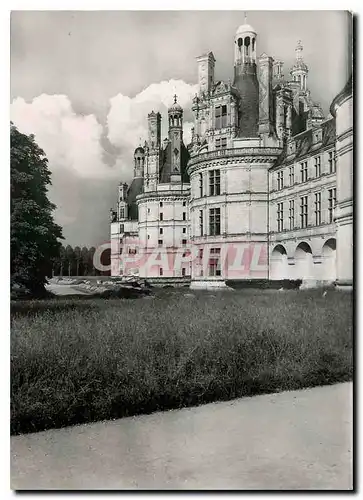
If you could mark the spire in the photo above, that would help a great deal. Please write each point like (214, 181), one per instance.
(175, 97)
(245, 17)
(299, 51)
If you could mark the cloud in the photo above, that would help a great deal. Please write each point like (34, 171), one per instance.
(75, 147)
(127, 117)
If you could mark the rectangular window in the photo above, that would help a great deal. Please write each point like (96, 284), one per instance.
(218, 143)
(161, 216)
(291, 214)
(184, 203)
(317, 164)
(304, 171)
(201, 222)
(317, 209)
(224, 142)
(280, 179)
(122, 228)
(331, 162)
(160, 243)
(184, 229)
(161, 271)
(221, 116)
(304, 211)
(214, 262)
(214, 221)
(280, 217)
(122, 212)
(120, 250)
(332, 199)
(161, 204)
(161, 230)
(183, 271)
(184, 216)
(201, 185)
(291, 175)
(184, 242)
(214, 182)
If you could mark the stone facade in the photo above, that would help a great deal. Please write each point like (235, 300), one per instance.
(263, 191)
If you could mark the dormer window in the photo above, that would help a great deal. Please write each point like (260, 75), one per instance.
(221, 116)
(291, 148)
(317, 136)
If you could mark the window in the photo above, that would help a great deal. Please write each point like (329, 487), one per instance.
(317, 209)
(148, 210)
(291, 214)
(184, 203)
(160, 243)
(214, 182)
(304, 211)
(161, 230)
(201, 222)
(280, 217)
(184, 242)
(332, 199)
(218, 143)
(122, 212)
(161, 204)
(317, 164)
(120, 250)
(331, 162)
(214, 221)
(161, 216)
(132, 251)
(161, 271)
(201, 253)
(201, 185)
(214, 262)
(184, 229)
(122, 228)
(148, 236)
(304, 171)
(221, 116)
(280, 179)
(291, 175)
(184, 216)
(183, 271)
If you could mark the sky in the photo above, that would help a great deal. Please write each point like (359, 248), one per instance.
(83, 84)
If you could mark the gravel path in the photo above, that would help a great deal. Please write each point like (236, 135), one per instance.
(291, 440)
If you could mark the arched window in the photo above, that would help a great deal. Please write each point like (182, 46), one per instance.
(253, 44)
(247, 46)
(240, 42)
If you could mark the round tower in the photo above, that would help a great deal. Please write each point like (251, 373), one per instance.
(245, 79)
(139, 160)
(299, 71)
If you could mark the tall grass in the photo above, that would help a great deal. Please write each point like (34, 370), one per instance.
(86, 360)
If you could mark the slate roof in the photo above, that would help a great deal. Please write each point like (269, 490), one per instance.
(305, 145)
(165, 164)
(136, 188)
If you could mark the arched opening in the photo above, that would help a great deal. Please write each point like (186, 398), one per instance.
(240, 42)
(253, 44)
(303, 262)
(328, 254)
(247, 46)
(278, 265)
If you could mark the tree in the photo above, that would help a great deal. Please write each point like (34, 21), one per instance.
(70, 259)
(77, 256)
(34, 234)
(85, 261)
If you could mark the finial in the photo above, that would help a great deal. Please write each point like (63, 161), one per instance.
(245, 17)
(175, 98)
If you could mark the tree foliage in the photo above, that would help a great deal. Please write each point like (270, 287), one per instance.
(34, 234)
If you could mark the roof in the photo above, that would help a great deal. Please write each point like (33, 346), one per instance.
(347, 90)
(136, 188)
(304, 142)
(165, 164)
(245, 28)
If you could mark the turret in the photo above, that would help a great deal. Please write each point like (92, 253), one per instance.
(299, 71)
(139, 162)
(175, 114)
(245, 79)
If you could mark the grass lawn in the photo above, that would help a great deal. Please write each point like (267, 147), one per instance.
(78, 360)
